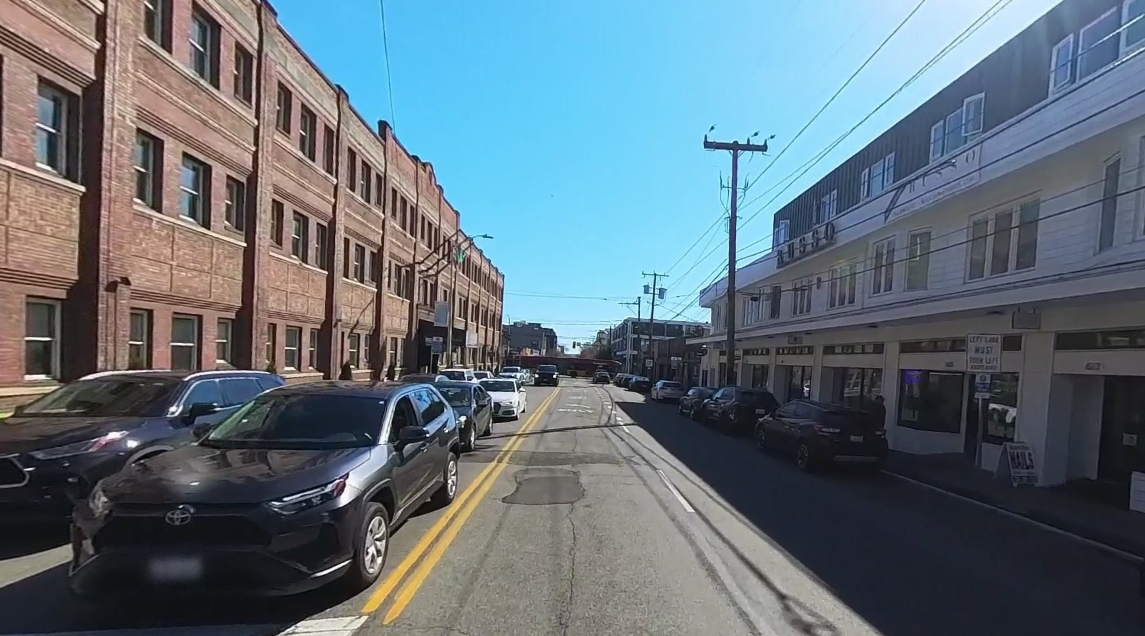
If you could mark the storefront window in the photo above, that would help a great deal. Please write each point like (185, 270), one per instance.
(759, 376)
(931, 401)
(1002, 409)
(799, 387)
(857, 388)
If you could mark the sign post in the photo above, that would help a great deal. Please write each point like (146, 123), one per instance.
(983, 358)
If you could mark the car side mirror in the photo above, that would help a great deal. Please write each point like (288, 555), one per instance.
(200, 409)
(412, 434)
(199, 431)
(19, 410)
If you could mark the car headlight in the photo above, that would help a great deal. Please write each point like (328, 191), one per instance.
(79, 448)
(98, 502)
(308, 499)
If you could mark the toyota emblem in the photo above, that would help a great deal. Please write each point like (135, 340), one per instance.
(180, 516)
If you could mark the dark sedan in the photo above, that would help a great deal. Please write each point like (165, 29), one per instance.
(692, 399)
(473, 407)
(298, 488)
(640, 384)
(819, 434)
(53, 450)
(736, 410)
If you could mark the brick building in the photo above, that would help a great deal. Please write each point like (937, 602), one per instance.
(181, 187)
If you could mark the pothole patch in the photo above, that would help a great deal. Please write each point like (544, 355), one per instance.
(545, 487)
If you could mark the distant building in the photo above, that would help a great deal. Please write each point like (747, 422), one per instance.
(630, 340)
(522, 335)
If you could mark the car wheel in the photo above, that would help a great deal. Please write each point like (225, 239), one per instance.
(803, 458)
(488, 428)
(760, 438)
(448, 490)
(470, 438)
(371, 547)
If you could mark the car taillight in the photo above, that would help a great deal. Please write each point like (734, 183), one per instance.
(827, 430)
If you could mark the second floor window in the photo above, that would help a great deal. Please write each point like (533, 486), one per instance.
(801, 298)
(205, 47)
(844, 283)
(360, 263)
(147, 174)
(277, 218)
(244, 75)
(300, 237)
(775, 301)
(157, 22)
(321, 245)
(236, 203)
(57, 130)
(883, 267)
(283, 107)
(194, 200)
(918, 260)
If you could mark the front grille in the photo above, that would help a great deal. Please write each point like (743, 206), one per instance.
(496, 407)
(202, 531)
(11, 473)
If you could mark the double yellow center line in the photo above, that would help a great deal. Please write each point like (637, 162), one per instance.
(447, 528)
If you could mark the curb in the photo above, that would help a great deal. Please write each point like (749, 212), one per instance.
(1118, 553)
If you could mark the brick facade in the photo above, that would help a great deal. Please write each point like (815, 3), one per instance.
(185, 187)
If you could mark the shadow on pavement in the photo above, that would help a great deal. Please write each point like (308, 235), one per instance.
(907, 561)
(26, 539)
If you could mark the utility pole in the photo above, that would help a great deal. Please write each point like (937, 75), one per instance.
(631, 332)
(735, 148)
(655, 291)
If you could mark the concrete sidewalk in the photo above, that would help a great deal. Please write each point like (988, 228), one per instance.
(1118, 528)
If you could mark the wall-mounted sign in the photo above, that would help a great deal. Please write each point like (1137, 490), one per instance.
(983, 353)
(1093, 366)
(441, 314)
(794, 340)
(801, 247)
(939, 182)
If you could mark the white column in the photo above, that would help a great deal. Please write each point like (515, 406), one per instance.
(817, 384)
(1045, 430)
(891, 380)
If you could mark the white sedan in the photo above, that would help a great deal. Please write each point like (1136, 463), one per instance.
(509, 397)
(667, 390)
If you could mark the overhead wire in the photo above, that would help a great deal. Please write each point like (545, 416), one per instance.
(386, 50)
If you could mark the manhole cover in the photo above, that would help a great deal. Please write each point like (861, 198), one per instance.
(545, 487)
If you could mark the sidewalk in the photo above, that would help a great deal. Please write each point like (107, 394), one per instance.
(1121, 529)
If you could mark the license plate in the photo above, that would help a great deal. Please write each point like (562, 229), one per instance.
(856, 438)
(175, 569)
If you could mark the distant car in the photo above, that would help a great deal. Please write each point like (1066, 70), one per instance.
(297, 489)
(601, 377)
(509, 398)
(735, 409)
(422, 378)
(513, 371)
(474, 409)
(55, 449)
(482, 375)
(692, 399)
(818, 434)
(460, 375)
(623, 379)
(667, 390)
(640, 384)
(547, 374)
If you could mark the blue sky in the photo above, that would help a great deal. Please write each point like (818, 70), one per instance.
(572, 132)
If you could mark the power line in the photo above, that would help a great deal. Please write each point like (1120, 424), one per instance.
(840, 90)
(386, 50)
(561, 296)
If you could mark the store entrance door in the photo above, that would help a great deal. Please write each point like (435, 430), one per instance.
(1122, 429)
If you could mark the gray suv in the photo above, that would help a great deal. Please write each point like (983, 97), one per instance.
(53, 450)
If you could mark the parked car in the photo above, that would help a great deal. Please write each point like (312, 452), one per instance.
(473, 408)
(736, 410)
(624, 380)
(509, 398)
(527, 376)
(547, 374)
(514, 372)
(601, 377)
(422, 378)
(692, 399)
(640, 384)
(667, 390)
(817, 434)
(55, 449)
(482, 375)
(460, 375)
(298, 488)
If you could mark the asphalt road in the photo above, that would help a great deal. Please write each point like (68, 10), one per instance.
(601, 513)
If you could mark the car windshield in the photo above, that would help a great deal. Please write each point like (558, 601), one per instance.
(511, 370)
(671, 385)
(482, 374)
(499, 386)
(547, 368)
(454, 375)
(301, 422)
(107, 397)
(456, 395)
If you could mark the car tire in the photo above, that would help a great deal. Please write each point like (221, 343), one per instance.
(803, 458)
(488, 429)
(371, 547)
(446, 493)
(469, 441)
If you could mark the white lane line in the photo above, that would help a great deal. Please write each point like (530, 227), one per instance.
(326, 626)
(1118, 553)
(667, 482)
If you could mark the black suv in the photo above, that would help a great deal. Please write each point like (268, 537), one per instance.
(53, 450)
(296, 489)
(546, 374)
